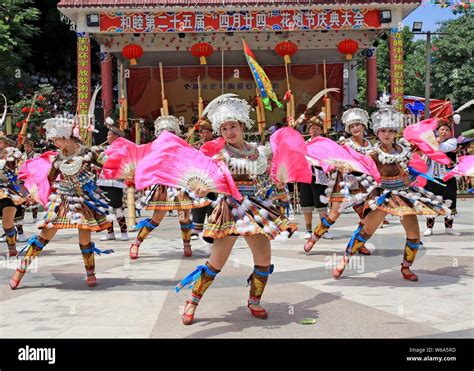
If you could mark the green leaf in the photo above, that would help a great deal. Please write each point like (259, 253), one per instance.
(308, 321)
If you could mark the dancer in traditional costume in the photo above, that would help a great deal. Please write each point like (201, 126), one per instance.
(199, 214)
(312, 195)
(75, 201)
(254, 217)
(448, 145)
(12, 195)
(113, 188)
(394, 195)
(161, 199)
(343, 186)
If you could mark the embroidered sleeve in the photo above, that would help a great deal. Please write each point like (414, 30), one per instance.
(449, 145)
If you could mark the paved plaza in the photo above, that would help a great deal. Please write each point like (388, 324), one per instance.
(136, 299)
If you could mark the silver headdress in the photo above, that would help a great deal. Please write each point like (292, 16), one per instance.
(169, 123)
(355, 115)
(228, 107)
(59, 127)
(387, 117)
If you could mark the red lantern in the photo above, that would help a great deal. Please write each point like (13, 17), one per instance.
(286, 49)
(202, 50)
(348, 47)
(132, 52)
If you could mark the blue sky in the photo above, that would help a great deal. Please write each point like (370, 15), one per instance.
(429, 14)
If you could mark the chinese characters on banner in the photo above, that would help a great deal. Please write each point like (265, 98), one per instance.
(261, 20)
(396, 69)
(83, 79)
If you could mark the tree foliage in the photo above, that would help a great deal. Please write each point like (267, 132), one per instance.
(16, 28)
(452, 64)
(452, 70)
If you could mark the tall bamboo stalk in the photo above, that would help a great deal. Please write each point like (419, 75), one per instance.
(164, 111)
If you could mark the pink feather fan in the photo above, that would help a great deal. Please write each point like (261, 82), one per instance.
(34, 173)
(417, 163)
(288, 161)
(330, 154)
(213, 147)
(173, 162)
(123, 158)
(422, 135)
(465, 167)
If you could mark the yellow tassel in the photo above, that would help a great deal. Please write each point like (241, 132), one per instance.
(133, 62)
(287, 58)
(203, 60)
(349, 57)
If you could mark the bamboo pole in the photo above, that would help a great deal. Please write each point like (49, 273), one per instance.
(290, 105)
(138, 131)
(260, 110)
(8, 124)
(123, 110)
(200, 101)
(326, 104)
(131, 205)
(164, 111)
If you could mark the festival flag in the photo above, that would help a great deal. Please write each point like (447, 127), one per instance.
(263, 82)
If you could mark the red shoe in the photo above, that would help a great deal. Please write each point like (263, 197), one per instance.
(187, 252)
(409, 275)
(15, 283)
(364, 251)
(91, 280)
(337, 272)
(259, 313)
(134, 255)
(385, 222)
(188, 318)
(308, 246)
(12, 252)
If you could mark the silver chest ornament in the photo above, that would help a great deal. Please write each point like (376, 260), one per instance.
(72, 166)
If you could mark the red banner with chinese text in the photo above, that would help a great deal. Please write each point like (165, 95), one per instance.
(396, 69)
(226, 21)
(83, 73)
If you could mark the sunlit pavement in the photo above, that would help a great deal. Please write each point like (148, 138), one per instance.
(137, 298)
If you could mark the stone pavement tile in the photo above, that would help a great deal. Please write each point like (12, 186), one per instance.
(436, 307)
(389, 283)
(451, 249)
(456, 326)
(30, 331)
(282, 264)
(96, 331)
(373, 302)
(458, 334)
(441, 311)
(102, 308)
(447, 265)
(287, 305)
(317, 256)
